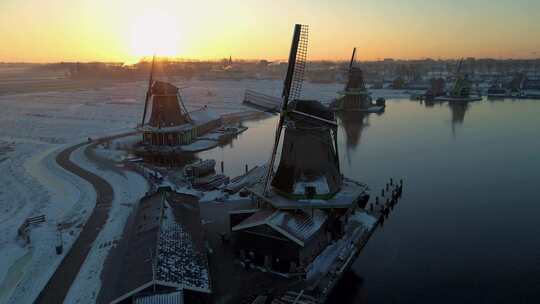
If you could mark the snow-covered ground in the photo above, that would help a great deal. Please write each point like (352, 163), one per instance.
(128, 187)
(33, 184)
(35, 127)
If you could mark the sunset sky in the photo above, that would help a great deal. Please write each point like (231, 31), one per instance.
(124, 30)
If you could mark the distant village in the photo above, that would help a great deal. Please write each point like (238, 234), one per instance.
(387, 73)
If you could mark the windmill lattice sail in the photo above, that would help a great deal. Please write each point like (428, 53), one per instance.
(299, 64)
(292, 87)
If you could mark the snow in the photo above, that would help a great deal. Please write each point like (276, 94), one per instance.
(302, 224)
(320, 184)
(199, 145)
(364, 219)
(34, 127)
(359, 223)
(129, 188)
(62, 198)
(112, 154)
(177, 259)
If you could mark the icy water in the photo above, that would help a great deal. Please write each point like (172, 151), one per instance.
(468, 227)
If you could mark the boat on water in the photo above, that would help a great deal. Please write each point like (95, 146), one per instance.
(355, 96)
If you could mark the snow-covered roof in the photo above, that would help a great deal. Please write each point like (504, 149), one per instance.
(203, 115)
(299, 226)
(349, 193)
(320, 184)
(165, 246)
(176, 297)
(179, 259)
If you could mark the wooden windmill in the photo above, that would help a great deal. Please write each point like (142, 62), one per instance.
(309, 164)
(168, 108)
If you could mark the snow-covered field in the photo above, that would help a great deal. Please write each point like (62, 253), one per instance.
(35, 127)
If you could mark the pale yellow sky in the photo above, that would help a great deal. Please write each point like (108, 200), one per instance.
(124, 30)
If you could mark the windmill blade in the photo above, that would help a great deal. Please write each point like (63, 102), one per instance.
(334, 134)
(459, 66)
(317, 118)
(292, 87)
(352, 59)
(149, 92)
(183, 106)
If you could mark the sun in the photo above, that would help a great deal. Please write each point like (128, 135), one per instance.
(155, 33)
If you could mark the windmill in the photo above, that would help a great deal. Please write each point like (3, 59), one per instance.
(355, 79)
(310, 128)
(168, 108)
(462, 85)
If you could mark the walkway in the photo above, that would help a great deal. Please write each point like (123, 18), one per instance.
(58, 285)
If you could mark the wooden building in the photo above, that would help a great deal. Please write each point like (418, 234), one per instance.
(170, 124)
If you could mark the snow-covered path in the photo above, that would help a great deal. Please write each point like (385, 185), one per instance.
(129, 188)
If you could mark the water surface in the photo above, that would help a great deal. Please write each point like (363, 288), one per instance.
(468, 227)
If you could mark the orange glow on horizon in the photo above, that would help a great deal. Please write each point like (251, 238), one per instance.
(126, 30)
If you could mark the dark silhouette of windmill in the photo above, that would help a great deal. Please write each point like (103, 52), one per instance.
(309, 154)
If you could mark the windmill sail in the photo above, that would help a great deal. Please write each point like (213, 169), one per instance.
(309, 165)
(352, 59)
(149, 91)
(292, 86)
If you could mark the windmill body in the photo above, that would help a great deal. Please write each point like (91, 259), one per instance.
(170, 127)
(355, 96)
(461, 90)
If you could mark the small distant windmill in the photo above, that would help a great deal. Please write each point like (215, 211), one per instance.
(355, 81)
(307, 124)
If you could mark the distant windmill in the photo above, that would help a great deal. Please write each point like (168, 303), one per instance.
(168, 108)
(310, 139)
(355, 81)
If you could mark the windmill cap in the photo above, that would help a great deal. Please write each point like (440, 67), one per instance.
(163, 88)
(313, 107)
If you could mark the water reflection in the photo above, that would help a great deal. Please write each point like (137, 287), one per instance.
(458, 110)
(462, 199)
(353, 123)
